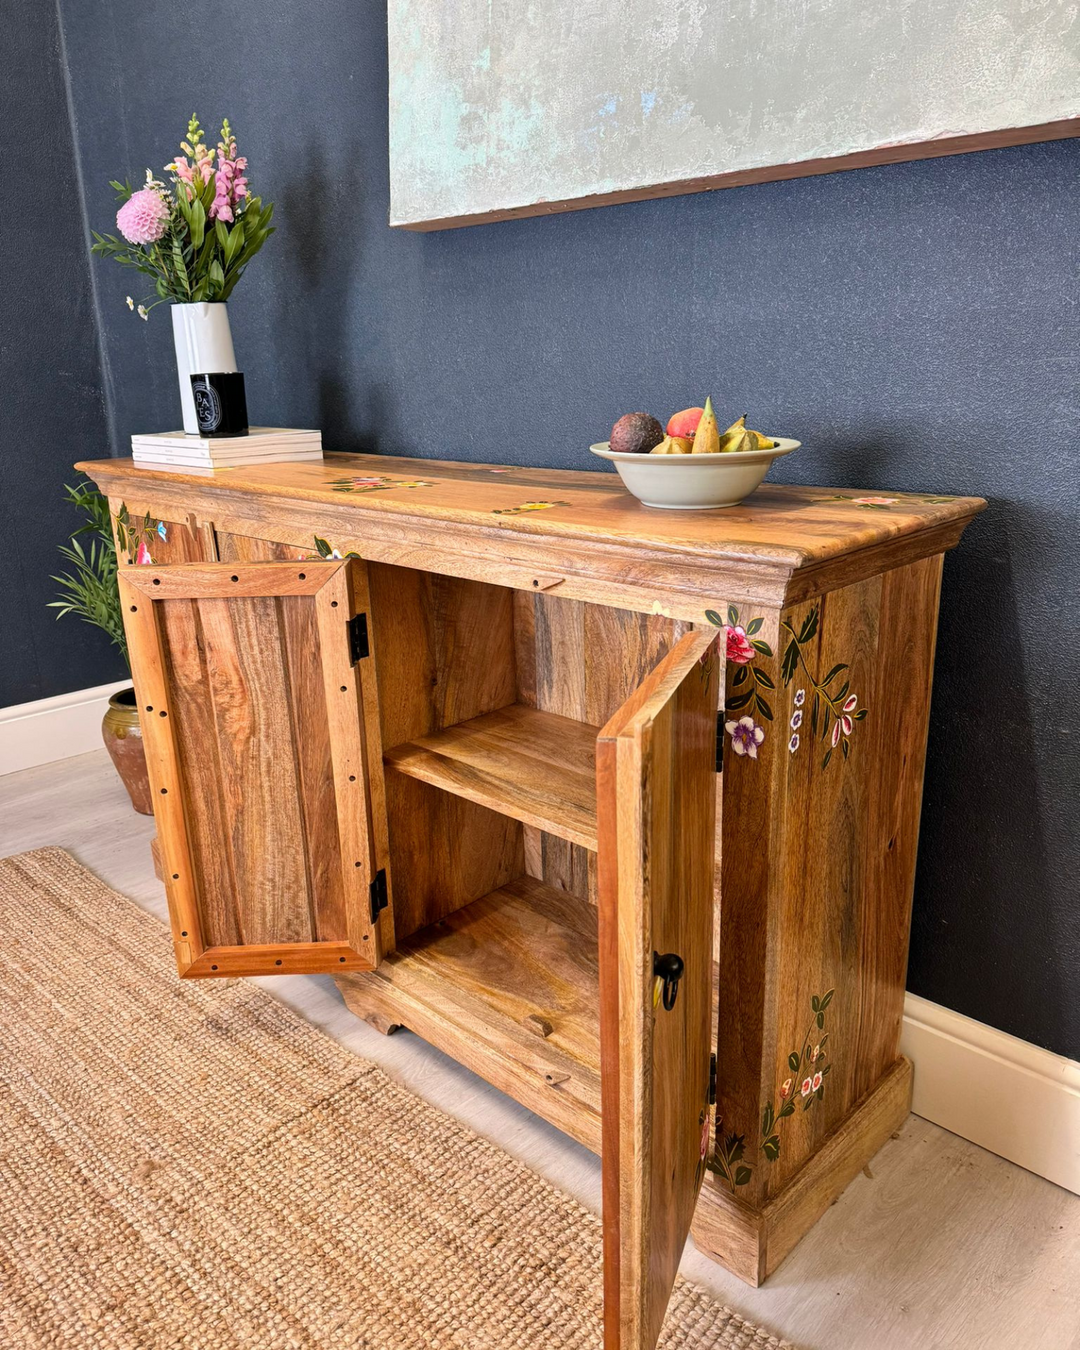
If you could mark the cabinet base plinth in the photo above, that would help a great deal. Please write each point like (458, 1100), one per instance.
(750, 1242)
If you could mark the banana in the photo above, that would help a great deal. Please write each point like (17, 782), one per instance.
(737, 438)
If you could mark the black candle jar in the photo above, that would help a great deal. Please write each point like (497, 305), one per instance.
(220, 403)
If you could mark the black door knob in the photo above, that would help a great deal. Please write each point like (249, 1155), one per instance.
(669, 969)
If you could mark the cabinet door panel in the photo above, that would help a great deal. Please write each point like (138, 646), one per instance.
(656, 765)
(252, 706)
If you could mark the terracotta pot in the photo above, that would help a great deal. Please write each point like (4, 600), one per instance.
(122, 735)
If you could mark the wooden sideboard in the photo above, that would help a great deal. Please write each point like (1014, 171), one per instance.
(618, 807)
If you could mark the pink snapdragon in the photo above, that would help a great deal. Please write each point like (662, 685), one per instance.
(144, 217)
(230, 183)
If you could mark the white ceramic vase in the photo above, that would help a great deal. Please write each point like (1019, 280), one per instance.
(203, 345)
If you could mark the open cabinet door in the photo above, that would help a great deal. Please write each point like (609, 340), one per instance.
(656, 804)
(260, 722)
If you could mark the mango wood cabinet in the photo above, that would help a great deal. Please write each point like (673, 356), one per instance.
(617, 807)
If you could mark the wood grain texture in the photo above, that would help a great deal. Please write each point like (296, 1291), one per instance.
(225, 713)
(901, 153)
(444, 652)
(751, 1241)
(596, 544)
(471, 983)
(656, 803)
(536, 767)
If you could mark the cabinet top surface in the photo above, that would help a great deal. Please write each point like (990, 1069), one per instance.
(789, 526)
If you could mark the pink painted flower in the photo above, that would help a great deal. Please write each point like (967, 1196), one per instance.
(705, 1135)
(745, 735)
(143, 554)
(815, 1054)
(143, 217)
(836, 732)
(850, 703)
(807, 1087)
(847, 724)
(817, 1081)
(875, 501)
(785, 1091)
(739, 648)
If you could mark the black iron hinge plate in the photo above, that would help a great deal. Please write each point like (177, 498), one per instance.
(379, 898)
(719, 742)
(358, 638)
(712, 1080)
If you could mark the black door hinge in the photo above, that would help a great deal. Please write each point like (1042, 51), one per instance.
(377, 890)
(719, 742)
(358, 643)
(712, 1080)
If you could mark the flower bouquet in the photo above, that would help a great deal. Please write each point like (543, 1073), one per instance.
(194, 237)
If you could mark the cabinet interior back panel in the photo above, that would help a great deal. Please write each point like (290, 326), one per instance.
(503, 109)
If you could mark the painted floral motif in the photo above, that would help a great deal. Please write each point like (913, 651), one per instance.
(325, 550)
(806, 1080)
(743, 647)
(375, 482)
(133, 536)
(882, 503)
(726, 1161)
(745, 735)
(526, 506)
(834, 708)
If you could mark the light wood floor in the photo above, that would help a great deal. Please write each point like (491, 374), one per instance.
(941, 1246)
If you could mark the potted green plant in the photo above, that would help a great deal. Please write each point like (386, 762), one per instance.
(90, 591)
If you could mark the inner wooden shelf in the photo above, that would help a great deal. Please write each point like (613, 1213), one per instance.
(508, 985)
(536, 767)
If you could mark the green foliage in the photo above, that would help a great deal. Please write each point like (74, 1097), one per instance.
(90, 590)
(196, 259)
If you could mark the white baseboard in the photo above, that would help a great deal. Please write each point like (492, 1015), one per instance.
(53, 728)
(1007, 1095)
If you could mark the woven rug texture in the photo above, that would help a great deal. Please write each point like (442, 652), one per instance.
(192, 1165)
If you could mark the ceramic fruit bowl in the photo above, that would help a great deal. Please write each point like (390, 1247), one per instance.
(694, 482)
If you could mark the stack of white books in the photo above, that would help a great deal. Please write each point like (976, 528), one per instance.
(188, 454)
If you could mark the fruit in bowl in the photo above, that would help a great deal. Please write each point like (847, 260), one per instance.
(695, 466)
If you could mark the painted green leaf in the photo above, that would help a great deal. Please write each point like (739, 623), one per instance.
(820, 1019)
(820, 1093)
(793, 1061)
(842, 691)
(826, 999)
(734, 1147)
(813, 716)
(324, 548)
(810, 625)
(767, 1118)
(833, 673)
(764, 680)
(771, 1147)
(861, 714)
(825, 761)
(732, 615)
(763, 708)
(739, 701)
(761, 647)
(754, 626)
(844, 748)
(714, 618)
(743, 1175)
(788, 1109)
(741, 673)
(808, 1103)
(815, 1003)
(790, 662)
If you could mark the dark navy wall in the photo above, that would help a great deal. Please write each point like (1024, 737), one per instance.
(914, 326)
(51, 408)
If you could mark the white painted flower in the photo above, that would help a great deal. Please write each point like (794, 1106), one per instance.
(800, 697)
(807, 1087)
(745, 735)
(796, 719)
(793, 744)
(817, 1082)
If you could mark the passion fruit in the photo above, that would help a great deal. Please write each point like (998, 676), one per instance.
(636, 434)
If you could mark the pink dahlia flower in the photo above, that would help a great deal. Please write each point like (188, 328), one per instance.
(143, 217)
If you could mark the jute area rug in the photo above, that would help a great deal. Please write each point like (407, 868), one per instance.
(193, 1165)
